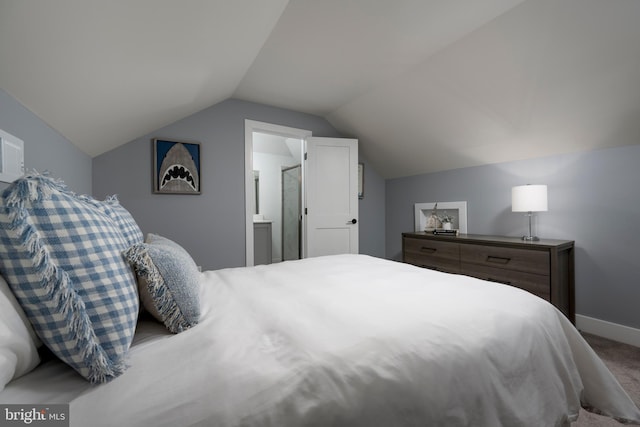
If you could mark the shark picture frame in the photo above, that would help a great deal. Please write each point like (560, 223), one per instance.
(176, 167)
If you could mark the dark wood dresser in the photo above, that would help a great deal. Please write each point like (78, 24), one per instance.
(545, 267)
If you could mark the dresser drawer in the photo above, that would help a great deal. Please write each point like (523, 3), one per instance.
(444, 264)
(528, 261)
(536, 284)
(442, 256)
(545, 268)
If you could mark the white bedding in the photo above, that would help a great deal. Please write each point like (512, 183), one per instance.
(346, 340)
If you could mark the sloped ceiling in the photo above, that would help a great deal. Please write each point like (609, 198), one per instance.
(425, 85)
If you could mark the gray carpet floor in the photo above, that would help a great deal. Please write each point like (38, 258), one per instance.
(624, 362)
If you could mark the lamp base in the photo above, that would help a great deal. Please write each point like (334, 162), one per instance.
(530, 238)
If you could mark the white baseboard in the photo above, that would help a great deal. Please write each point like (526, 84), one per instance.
(612, 331)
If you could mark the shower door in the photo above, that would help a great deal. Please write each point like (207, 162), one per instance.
(291, 212)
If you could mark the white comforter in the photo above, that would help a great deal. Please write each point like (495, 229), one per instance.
(347, 340)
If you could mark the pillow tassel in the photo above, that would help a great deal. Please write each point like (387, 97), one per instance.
(33, 187)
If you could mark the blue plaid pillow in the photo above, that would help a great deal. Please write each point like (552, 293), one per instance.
(123, 219)
(168, 282)
(61, 255)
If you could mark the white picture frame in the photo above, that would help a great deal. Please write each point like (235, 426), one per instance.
(457, 210)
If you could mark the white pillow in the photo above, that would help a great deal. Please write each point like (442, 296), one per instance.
(18, 352)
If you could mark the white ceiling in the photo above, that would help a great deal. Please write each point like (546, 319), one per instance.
(425, 85)
(277, 145)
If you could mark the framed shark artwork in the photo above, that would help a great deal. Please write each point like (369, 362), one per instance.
(176, 167)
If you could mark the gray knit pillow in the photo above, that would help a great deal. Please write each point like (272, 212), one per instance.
(168, 281)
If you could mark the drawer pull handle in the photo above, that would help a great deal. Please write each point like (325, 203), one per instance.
(504, 282)
(428, 250)
(498, 259)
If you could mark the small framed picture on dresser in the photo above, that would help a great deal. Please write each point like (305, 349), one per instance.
(441, 216)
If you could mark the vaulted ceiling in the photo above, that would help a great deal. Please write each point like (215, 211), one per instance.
(425, 85)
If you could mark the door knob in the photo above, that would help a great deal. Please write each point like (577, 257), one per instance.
(353, 221)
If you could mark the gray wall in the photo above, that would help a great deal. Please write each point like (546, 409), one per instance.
(44, 148)
(211, 226)
(593, 199)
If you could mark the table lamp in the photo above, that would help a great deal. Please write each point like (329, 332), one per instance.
(529, 199)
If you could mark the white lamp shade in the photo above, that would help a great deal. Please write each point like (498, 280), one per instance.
(529, 198)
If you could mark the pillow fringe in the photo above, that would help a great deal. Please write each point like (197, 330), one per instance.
(33, 187)
(66, 300)
(165, 304)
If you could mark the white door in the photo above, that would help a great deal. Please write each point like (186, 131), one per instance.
(331, 195)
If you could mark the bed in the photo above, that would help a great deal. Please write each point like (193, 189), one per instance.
(343, 340)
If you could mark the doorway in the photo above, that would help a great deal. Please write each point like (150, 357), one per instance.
(273, 154)
(269, 149)
(328, 194)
